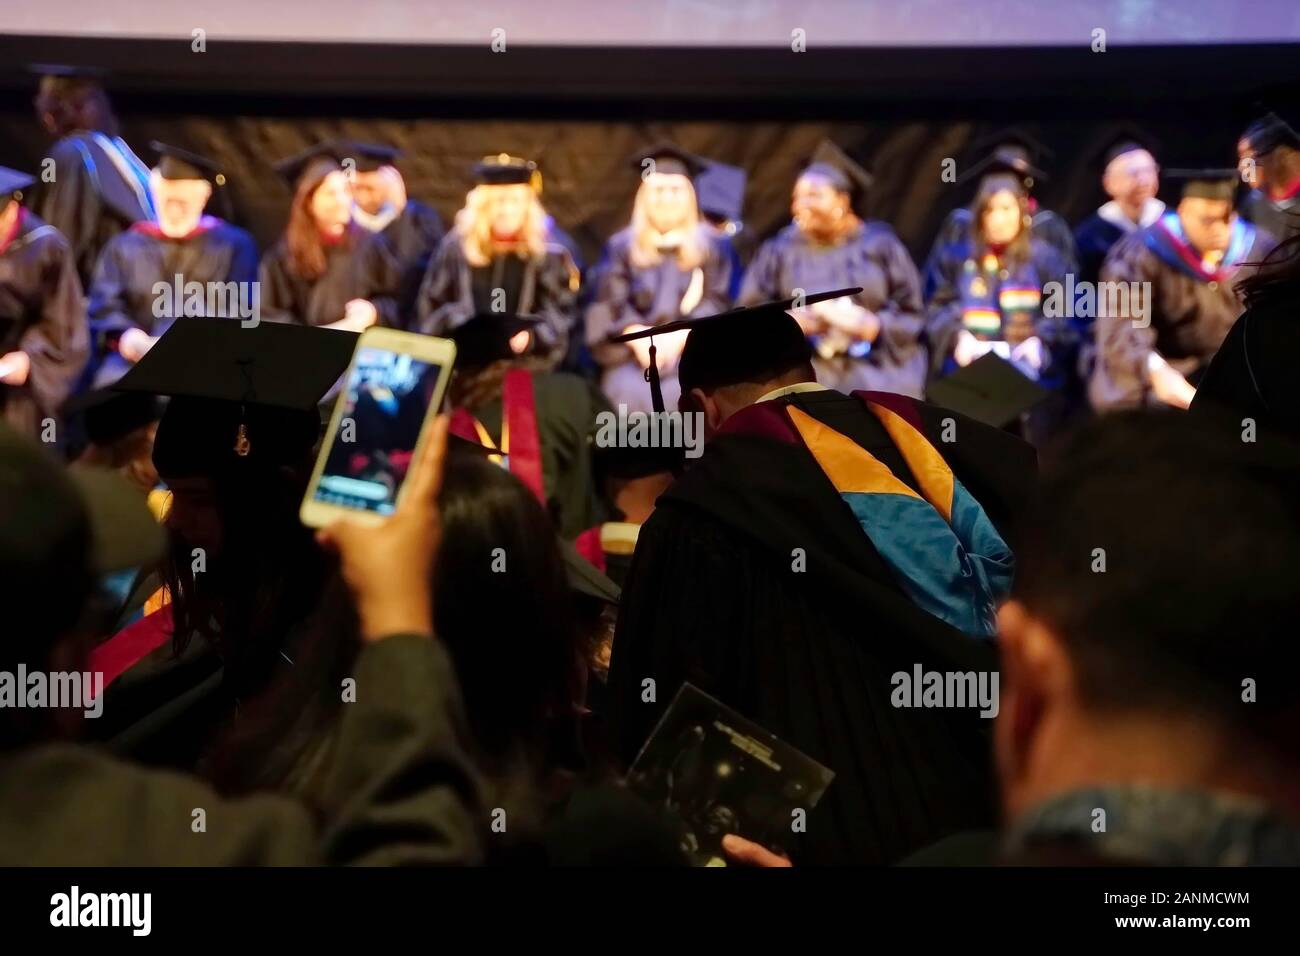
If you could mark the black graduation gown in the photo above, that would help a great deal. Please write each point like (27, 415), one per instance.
(42, 313)
(567, 406)
(1281, 220)
(99, 188)
(1253, 373)
(358, 267)
(122, 293)
(712, 597)
(1190, 314)
(412, 238)
(873, 258)
(1093, 238)
(453, 292)
(631, 295)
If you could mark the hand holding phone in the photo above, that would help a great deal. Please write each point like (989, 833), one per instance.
(391, 393)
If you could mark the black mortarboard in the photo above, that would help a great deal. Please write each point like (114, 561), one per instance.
(627, 462)
(1208, 183)
(485, 338)
(584, 578)
(12, 182)
(669, 159)
(328, 155)
(720, 192)
(108, 415)
(1126, 138)
(990, 390)
(506, 170)
(1010, 150)
(732, 347)
(837, 166)
(238, 394)
(370, 156)
(68, 71)
(177, 163)
(1268, 133)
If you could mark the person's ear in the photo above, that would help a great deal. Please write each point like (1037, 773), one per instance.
(713, 413)
(1024, 694)
(207, 193)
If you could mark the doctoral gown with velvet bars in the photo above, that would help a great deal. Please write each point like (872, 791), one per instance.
(753, 580)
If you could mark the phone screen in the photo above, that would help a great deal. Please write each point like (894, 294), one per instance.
(384, 400)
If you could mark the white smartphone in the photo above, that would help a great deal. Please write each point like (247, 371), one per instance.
(391, 392)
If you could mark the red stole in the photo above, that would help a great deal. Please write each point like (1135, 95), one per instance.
(521, 443)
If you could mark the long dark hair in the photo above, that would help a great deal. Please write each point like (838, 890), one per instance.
(1019, 249)
(1276, 275)
(502, 607)
(302, 238)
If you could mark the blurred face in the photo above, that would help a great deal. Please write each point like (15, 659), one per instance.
(1002, 217)
(192, 514)
(1132, 179)
(507, 209)
(331, 203)
(668, 200)
(370, 190)
(179, 203)
(1207, 222)
(816, 206)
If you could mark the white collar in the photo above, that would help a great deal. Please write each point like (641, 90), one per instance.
(795, 389)
(1152, 210)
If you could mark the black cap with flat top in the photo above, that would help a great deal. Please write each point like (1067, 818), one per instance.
(177, 163)
(990, 390)
(1208, 183)
(1268, 133)
(317, 159)
(839, 169)
(670, 160)
(239, 395)
(108, 415)
(485, 338)
(506, 170)
(732, 347)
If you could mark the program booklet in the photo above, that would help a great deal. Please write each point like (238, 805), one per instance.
(718, 773)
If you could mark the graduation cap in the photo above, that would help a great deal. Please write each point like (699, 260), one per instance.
(371, 156)
(720, 192)
(506, 170)
(1268, 133)
(485, 338)
(108, 415)
(238, 394)
(839, 168)
(1011, 150)
(990, 390)
(320, 158)
(1207, 183)
(734, 346)
(68, 71)
(670, 160)
(177, 163)
(584, 578)
(1127, 138)
(13, 182)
